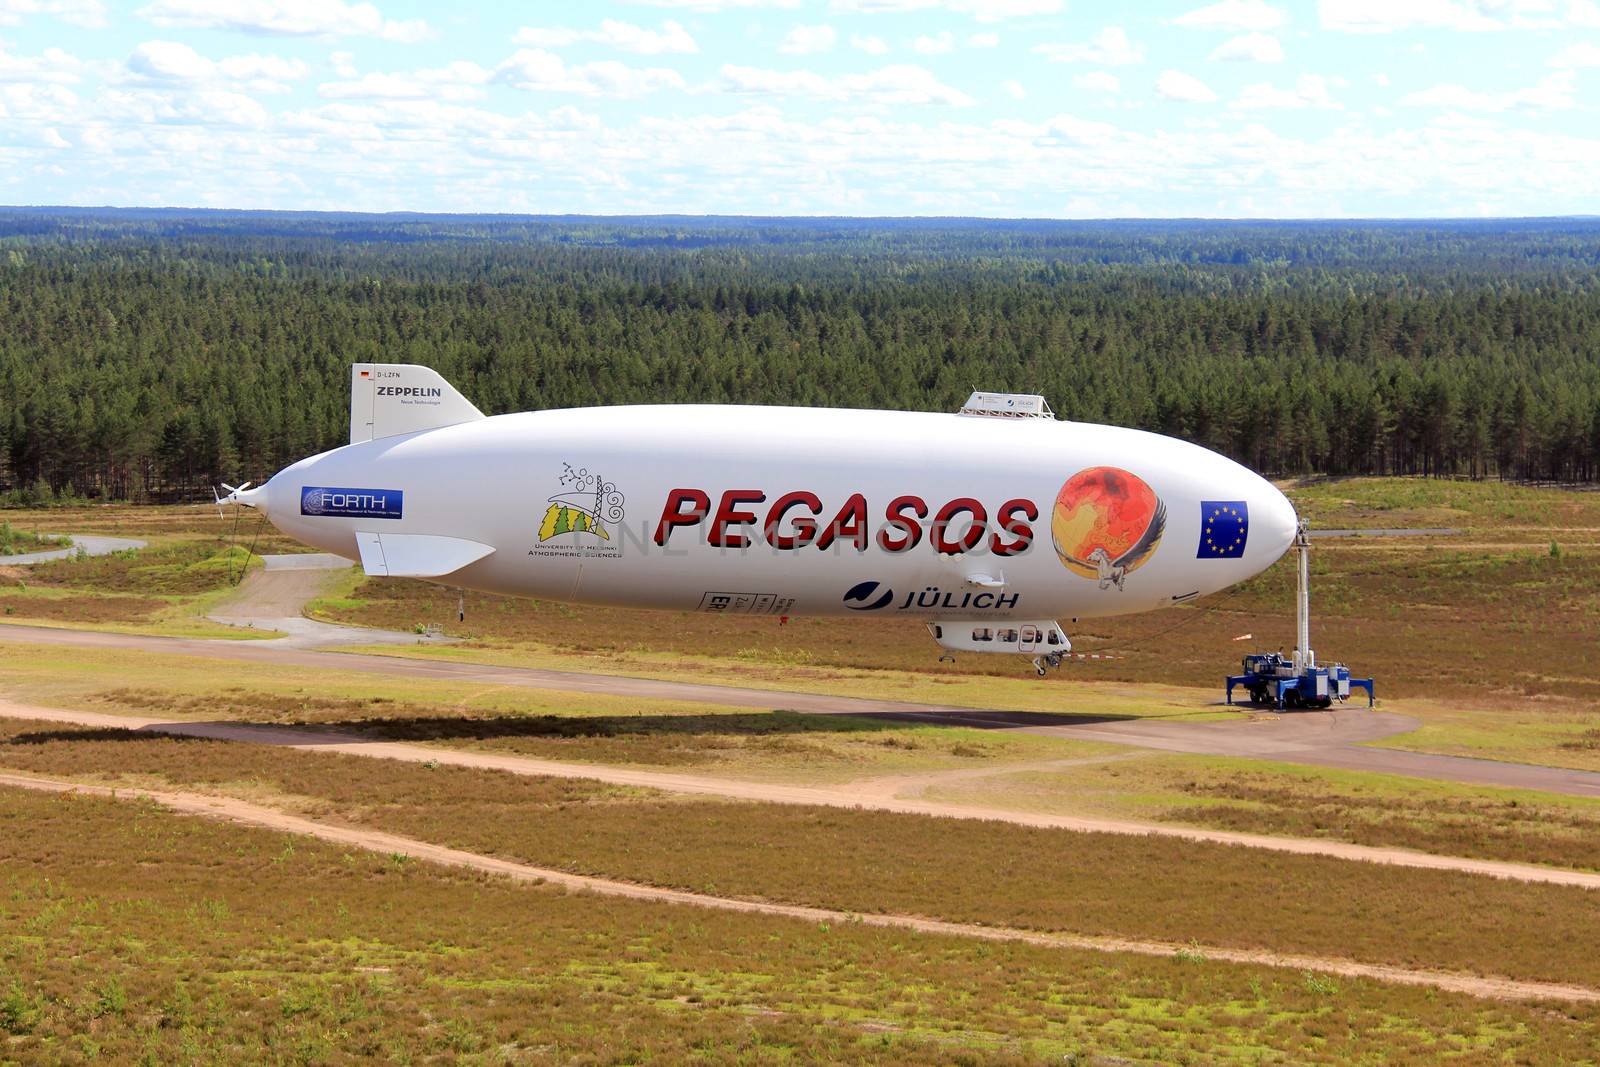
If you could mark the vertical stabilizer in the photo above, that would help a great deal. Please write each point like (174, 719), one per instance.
(394, 398)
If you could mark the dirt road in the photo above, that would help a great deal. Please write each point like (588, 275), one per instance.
(274, 597)
(239, 811)
(862, 796)
(1326, 739)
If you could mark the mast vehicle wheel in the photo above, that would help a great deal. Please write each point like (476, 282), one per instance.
(1325, 702)
(1291, 699)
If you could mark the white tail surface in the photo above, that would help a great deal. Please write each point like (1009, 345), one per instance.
(397, 555)
(387, 399)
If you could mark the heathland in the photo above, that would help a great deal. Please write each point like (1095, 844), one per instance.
(144, 355)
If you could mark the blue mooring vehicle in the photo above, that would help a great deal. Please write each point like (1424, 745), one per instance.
(1296, 681)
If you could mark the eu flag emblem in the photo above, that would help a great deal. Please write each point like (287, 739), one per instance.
(1224, 529)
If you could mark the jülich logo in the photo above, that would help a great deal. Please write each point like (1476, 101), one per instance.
(864, 596)
(326, 501)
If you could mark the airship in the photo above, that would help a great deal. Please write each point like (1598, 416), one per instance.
(990, 524)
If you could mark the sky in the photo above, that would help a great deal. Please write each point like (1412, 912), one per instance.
(997, 108)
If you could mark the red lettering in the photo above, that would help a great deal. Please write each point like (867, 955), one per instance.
(674, 515)
(897, 519)
(728, 515)
(970, 537)
(850, 523)
(1008, 521)
(805, 529)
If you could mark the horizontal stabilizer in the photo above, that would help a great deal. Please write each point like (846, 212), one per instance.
(387, 399)
(397, 555)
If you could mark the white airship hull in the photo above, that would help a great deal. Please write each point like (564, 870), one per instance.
(792, 511)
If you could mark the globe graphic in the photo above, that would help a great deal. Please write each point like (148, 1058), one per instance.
(1106, 516)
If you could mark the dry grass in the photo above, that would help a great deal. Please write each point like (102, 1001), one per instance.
(252, 947)
(1259, 796)
(154, 523)
(68, 607)
(1098, 884)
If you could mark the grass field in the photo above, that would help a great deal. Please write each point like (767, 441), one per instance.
(193, 561)
(1098, 884)
(1260, 796)
(772, 744)
(997, 768)
(252, 947)
(1483, 635)
(129, 934)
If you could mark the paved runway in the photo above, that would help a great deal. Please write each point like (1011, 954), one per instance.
(1324, 738)
(91, 545)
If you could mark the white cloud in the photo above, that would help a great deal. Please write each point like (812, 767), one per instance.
(808, 40)
(624, 36)
(996, 10)
(287, 18)
(1236, 15)
(897, 84)
(1388, 16)
(1097, 81)
(872, 46)
(534, 70)
(935, 45)
(1176, 85)
(344, 64)
(457, 81)
(1381, 80)
(53, 67)
(1249, 48)
(90, 14)
(982, 10)
(712, 7)
(984, 40)
(1014, 89)
(1109, 48)
(168, 62)
(1582, 54)
(1310, 90)
(1552, 93)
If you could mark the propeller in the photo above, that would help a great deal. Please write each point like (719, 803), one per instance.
(235, 496)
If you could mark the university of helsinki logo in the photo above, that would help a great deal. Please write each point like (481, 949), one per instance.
(587, 504)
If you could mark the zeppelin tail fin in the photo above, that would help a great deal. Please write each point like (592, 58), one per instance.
(394, 398)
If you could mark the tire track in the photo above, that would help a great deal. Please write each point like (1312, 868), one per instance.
(860, 795)
(244, 813)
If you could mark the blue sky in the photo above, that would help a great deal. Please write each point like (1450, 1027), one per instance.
(1058, 108)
